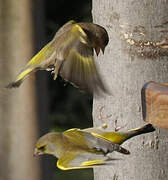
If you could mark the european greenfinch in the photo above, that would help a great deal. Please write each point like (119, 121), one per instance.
(70, 54)
(76, 148)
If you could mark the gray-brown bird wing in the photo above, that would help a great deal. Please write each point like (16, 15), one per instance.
(88, 141)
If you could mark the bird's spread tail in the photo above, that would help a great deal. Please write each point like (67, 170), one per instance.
(142, 130)
(20, 78)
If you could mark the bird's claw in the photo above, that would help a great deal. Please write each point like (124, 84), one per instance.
(52, 72)
(55, 74)
(50, 69)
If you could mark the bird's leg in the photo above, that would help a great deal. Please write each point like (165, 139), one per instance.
(101, 118)
(57, 65)
(117, 128)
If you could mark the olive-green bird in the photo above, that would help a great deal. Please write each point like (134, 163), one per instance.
(77, 149)
(70, 54)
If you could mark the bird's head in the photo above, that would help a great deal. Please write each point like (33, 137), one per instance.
(99, 38)
(47, 144)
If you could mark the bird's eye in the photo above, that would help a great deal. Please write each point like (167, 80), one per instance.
(42, 148)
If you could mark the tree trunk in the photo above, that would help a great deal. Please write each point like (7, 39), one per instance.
(17, 106)
(135, 55)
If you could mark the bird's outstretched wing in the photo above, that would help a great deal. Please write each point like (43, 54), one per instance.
(78, 65)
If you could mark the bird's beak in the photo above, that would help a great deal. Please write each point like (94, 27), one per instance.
(37, 152)
(97, 49)
(103, 49)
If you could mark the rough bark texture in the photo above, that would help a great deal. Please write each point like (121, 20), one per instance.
(17, 106)
(132, 58)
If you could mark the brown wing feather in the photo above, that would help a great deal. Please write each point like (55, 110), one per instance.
(80, 69)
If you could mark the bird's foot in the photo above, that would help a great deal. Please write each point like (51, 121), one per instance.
(50, 69)
(55, 74)
(52, 72)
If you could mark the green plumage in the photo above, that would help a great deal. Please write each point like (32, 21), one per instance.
(70, 54)
(76, 149)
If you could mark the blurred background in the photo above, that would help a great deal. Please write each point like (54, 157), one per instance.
(67, 106)
(40, 105)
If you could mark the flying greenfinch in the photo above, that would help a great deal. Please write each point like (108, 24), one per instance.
(70, 54)
(77, 149)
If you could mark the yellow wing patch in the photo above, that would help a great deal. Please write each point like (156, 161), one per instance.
(93, 162)
(73, 161)
(23, 74)
(84, 65)
(76, 29)
(41, 55)
(76, 137)
(114, 137)
(63, 161)
(35, 61)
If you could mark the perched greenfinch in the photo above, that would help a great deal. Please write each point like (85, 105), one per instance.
(76, 148)
(70, 54)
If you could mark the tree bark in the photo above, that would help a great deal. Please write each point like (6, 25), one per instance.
(17, 106)
(133, 57)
